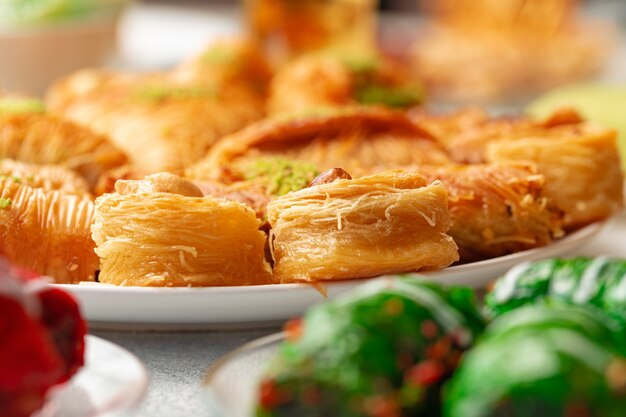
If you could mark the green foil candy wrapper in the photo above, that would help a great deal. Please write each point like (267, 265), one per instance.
(541, 361)
(600, 282)
(384, 349)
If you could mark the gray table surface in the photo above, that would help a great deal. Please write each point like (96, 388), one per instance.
(176, 364)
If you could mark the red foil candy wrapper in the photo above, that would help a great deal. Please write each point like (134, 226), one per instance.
(42, 340)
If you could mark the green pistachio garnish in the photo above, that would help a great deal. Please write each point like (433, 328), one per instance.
(219, 55)
(390, 96)
(281, 175)
(21, 105)
(158, 93)
(15, 179)
(5, 203)
(361, 64)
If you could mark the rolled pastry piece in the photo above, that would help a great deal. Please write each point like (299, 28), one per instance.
(579, 160)
(164, 121)
(497, 209)
(47, 231)
(582, 170)
(48, 177)
(42, 138)
(161, 232)
(386, 223)
(362, 140)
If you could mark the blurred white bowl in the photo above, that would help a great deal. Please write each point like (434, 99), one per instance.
(32, 57)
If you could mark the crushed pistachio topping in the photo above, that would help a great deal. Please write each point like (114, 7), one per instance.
(5, 203)
(361, 64)
(15, 179)
(280, 175)
(219, 55)
(158, 93)
(390, 96)
(21, 105)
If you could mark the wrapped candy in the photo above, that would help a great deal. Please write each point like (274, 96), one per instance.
(542, 361)
(599, 282)
(41, 341)
(384, 349)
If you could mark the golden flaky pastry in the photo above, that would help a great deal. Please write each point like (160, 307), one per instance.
(385, 223)
(579, 161)
(48, 177)
(42, 138)
(47, 232)
(161, 232)
(359, 139)
(497, 209)
(164, 121)
(227, 62)
(582, 171)
(322, 81)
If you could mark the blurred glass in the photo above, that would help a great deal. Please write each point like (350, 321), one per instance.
(15, 13)
(288, 28)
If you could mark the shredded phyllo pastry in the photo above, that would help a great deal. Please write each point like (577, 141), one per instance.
(41, 138)
(579, 161)
(384, 223)
(48, 177)
(497, 209)
(47, 231)
(582, 170)
(162, 232)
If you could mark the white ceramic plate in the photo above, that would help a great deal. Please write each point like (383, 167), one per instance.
(107, 306)
(111, 384)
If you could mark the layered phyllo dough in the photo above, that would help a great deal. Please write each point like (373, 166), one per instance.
(42, 138)
(582, 170)
(497, 209)
(161, 231)
(361, 140)
(579, 161)
(48, 177)
(356, 228)
(47, 231)
(165, 121)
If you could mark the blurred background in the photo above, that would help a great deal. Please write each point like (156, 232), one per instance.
(462, 50)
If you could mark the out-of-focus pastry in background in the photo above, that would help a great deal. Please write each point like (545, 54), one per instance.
(28, 133)
(362, 140)
(45, 39)
(492, 50)
(317, 81)
(286, 28)
(166, 121)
